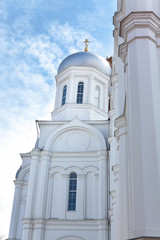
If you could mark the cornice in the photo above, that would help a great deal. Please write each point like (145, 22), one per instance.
(139, 20)
(79, 106)
(75, 71)
(117, 18)
(77, 223)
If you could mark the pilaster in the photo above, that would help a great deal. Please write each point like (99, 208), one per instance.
(15, 208)
(32, 183)
(42, 185)
(102, 204)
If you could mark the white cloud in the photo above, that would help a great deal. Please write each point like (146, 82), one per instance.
(72, 39)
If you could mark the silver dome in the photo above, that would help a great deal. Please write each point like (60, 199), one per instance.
(86, 59)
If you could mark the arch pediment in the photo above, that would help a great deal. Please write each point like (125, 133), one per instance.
(75, 136)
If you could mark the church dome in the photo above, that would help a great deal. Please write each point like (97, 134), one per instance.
(86, 59)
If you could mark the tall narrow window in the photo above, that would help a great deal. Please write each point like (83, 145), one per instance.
(80, 92)
(64, 95)
(97, 96)
(72, 192)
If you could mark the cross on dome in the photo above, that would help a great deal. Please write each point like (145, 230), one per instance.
(86, 45)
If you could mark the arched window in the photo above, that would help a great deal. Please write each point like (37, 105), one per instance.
(80, 92)
(64, 95)
(72, 192)
(97, 96)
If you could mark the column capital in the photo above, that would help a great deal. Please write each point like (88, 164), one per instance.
(45, 154)
(35, 152)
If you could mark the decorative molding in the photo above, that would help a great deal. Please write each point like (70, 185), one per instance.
(121, 124)
(116, 34)
(139, 20)
(110, 213)
(35, 153)
(123, 51)
(76, 106)
(115, 169)
(113, 197)
(18, 183)
(117, 18)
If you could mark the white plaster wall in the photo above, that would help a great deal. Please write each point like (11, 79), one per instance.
(88, 230)
(90, 195)
(57, 194)
(87, 110)
(143, 5)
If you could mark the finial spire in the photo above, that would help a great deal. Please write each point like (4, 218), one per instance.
(86, 45)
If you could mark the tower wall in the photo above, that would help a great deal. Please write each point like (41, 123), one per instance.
(137, 53)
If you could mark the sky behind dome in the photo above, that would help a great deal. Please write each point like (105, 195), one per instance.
(35, 36)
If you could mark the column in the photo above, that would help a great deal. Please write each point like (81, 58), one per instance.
(15, 208)
(32, 183)
(49, 198)
(102, 203)
(42, 185)
(96, 181)
(41, 196)
(27, 222)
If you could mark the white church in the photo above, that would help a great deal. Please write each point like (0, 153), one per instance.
(94, 173)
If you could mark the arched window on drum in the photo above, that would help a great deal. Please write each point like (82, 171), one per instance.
(64, 95)
(80, 92)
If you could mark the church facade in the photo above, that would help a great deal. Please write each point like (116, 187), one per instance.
(94, 173)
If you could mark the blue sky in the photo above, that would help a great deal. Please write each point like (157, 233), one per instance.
(35, 36)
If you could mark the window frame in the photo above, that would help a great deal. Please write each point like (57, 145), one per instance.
(64, 94)
(80, 92)
(72, 192)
